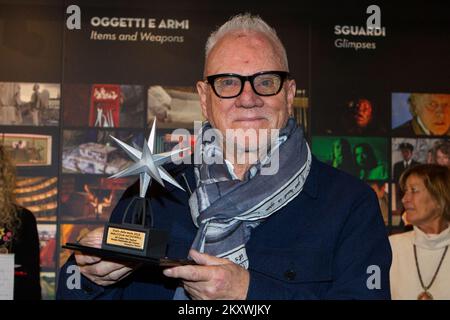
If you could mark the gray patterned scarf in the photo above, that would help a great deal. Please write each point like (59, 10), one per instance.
(226, 209)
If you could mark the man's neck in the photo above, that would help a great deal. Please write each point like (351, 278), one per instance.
(243, 164)
(240, 164)
(240, 170)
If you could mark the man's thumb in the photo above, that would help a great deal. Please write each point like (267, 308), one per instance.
(204, 259)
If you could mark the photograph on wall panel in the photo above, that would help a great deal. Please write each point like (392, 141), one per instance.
(29, 104)
(90, 197)
(34, 150)
(363, 157)
(173, 107)
(420, 114)
(104, 105)
(28, 149)
(409, 152)
(354, 114)
(93, 151)
(39, 195)
(47, 245)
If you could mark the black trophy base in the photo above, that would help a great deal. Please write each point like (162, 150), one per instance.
(135, 239)
(133, 236)
(127, 257)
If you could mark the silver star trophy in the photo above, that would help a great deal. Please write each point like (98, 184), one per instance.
(133, 236)
(132, 239)
(147, 164)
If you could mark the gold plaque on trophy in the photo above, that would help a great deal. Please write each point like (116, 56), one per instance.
(125, 238)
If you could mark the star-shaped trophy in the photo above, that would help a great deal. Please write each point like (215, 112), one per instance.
(134, 239)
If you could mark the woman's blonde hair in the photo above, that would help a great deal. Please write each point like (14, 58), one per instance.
(436, 179)
(8, 210)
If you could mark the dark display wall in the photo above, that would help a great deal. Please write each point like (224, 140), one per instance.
(64, 92)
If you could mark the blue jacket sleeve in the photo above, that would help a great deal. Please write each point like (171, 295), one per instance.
(72, 285)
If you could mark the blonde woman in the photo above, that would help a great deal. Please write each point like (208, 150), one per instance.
(18, 234)
(420, 258)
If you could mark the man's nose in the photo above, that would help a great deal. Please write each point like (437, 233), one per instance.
(248, 98)
(440, 109)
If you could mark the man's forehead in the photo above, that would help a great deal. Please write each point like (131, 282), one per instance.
(243, 47)
(441, 97)
(434, 97)
(244, 36)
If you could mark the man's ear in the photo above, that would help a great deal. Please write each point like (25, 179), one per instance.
(291, 91)
(202, 89)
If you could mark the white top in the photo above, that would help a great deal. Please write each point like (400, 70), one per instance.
(405, 283)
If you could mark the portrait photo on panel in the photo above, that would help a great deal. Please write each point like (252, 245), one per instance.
(420, 114)
(353, 114)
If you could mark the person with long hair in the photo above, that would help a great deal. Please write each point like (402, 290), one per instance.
(367, 165)
(420, 261)
(18, 234)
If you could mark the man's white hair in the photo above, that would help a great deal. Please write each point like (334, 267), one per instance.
(418, 101)
(247, 23)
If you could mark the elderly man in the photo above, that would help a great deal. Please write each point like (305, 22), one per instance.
(306, 231)
(431, 116)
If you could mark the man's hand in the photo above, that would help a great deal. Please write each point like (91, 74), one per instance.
(215, 278)
(101, 272)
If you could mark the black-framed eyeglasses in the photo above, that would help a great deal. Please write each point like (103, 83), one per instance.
(230, 85)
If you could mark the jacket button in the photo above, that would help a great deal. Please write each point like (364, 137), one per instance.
(290, 274)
